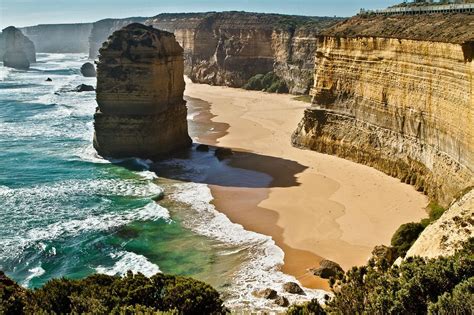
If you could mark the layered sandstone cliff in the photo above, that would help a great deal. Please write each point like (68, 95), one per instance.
(140, 89)
(60, 38)
(17, 50)
(228, 48)
(396, 101)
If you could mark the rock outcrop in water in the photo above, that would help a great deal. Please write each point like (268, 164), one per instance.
(88, 70)
(18, 51)
(396, 93)
(140, 89)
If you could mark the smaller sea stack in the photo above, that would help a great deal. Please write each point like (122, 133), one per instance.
(19, 51)
(140, 87)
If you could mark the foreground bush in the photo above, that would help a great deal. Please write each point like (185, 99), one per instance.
(418, 286)
(102, 294)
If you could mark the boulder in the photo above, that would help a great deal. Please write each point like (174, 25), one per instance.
(88, 70)
(266, 294)
(48, 80)
(140, 84)
(293, 288)
(282, 301)
(222, 153)
(84, 88)
(327, 269)
(382, 252)
(19, 51)
(202, 148)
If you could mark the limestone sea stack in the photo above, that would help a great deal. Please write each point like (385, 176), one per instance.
(19, 51)
(140, 87)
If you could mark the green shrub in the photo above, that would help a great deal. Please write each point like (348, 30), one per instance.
(460, 301)
(436, 211)
(269, 82)
(309, 308)
(102, 294)
(408, 289)
(405, 236)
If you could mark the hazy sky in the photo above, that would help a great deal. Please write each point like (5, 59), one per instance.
(32, 12)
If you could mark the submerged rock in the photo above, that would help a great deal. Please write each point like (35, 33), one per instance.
(282, 301)
(84, 88)
(293, 288)
(266, 294)
(48, 80)
(19, 51)
(88, 70)
(222, 153)
(140, 87)
(202, 148)
(327, 269)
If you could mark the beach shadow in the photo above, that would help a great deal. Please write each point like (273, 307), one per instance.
(241, 169)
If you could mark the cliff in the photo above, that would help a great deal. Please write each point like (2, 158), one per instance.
(387, 97)
(140, 89)
(102, 29)
(447, 234)
(228, 48)
(60, 38)
(18, 50)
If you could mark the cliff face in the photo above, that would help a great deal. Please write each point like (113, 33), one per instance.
(403, 106)
(18, 50)
(60, 38)
(102, 29)
(446, 235)
(228, 48)
(140, 89)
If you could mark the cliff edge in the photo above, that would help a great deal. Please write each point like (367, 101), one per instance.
(396, 93)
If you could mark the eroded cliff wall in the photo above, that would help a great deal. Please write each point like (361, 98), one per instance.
(404, 106)
(228, 48)
(60, 38)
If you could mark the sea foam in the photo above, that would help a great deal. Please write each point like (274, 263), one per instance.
(261, 270)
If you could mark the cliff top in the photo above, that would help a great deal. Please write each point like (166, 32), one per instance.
(451, 28)
(137, 35)
(241, 19)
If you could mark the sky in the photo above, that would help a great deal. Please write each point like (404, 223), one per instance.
(31, 12)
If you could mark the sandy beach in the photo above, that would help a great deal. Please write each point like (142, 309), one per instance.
(315, 206)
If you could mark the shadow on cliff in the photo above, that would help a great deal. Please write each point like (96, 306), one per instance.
(242, 169)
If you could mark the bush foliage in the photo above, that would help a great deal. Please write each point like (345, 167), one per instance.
(269, 82)
(444, 285)
(405, 236)
(102, 294)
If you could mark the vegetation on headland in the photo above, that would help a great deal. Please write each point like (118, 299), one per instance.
(407, 233)
(269, 82)
(103, 294)
(418, 286)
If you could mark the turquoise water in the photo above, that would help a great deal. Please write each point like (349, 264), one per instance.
(65, 211)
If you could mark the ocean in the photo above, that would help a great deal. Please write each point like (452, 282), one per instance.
(65, 211)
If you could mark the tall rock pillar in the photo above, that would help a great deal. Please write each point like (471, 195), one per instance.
(140, 87)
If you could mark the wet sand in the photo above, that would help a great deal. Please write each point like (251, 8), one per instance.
(316, 206)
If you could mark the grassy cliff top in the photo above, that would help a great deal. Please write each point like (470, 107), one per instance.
(451, 28)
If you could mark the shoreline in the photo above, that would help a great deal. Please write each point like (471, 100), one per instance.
(315, 205)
